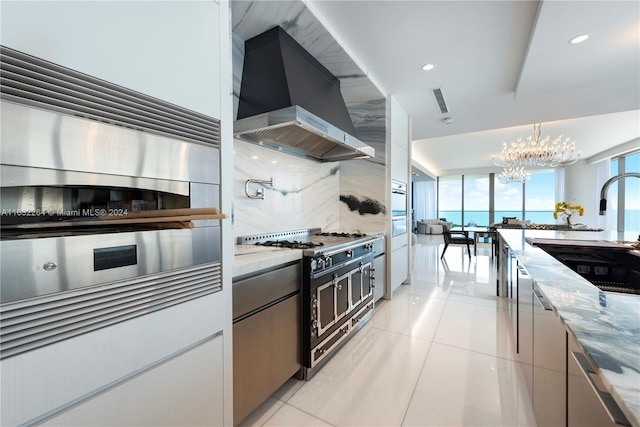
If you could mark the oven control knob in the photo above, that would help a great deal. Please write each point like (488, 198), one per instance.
(314, 264)
(327, 261)
(349, 253)
(314, 302)
(314, 324)
(320, 263)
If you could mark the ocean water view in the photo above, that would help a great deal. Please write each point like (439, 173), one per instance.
(481, 218)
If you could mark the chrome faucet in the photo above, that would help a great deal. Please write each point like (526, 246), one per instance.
(605, 187)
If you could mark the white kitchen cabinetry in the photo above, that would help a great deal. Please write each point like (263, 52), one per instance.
(172, 366)
(549, 363)
(40, 383)
(168, 50)
(399, 160)
(584, 407)
(185, 390)
(524, 305)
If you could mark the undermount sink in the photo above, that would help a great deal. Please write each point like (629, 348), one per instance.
(616, 244)
(611, 266)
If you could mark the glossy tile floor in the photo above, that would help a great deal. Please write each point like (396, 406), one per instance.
(437, 354)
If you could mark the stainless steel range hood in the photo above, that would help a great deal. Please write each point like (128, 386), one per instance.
(290, 102)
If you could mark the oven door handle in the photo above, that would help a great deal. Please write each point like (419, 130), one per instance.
(347, 248)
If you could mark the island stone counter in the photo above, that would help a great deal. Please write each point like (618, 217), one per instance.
(605, 324)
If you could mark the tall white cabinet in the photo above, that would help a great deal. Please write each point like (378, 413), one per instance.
(399, 155)
(174, 366)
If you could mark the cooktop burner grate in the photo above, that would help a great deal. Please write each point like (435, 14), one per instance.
(290, 244)
(336, 234)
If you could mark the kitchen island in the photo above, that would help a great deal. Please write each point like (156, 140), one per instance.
(606, 325)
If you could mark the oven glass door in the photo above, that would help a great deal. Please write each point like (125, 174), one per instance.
(398, 226)
(398, 203)
(361, 285)
(333, 302)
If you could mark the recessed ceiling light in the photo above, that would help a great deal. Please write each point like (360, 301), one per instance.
(428, 67)
(579, 39)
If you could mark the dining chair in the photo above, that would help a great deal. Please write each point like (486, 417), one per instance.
(456, 238)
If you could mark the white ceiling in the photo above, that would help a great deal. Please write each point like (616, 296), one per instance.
(502, 66)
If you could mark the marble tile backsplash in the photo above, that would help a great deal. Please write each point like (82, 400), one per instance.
(305, 193)
(334, 196)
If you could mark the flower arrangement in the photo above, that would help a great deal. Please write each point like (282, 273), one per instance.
(564, 211)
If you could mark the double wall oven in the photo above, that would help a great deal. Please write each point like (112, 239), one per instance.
(398, 208)
(109, 201)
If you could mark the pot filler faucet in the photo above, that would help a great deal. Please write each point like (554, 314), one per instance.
(605, 187)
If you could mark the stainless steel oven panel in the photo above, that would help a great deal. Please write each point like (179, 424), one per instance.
(20, 176)
(205, 196)
(45, 139)
(398, 226)
(35, 267)
(398, 199)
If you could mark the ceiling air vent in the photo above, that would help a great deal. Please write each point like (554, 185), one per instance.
(442, 106)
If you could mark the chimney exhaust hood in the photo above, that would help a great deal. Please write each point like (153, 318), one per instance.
(290, 102)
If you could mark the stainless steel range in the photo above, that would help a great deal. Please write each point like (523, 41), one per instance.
(337, 288)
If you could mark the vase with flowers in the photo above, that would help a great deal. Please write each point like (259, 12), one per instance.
(564, 211)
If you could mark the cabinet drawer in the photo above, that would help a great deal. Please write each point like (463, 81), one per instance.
(254, 292)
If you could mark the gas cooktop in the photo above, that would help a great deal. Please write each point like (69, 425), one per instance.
(312, 241)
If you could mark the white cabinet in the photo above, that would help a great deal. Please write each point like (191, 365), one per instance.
(74, 372)
(399, 142)
(168, 50)
(587, 405)
(399, 159)
(158, 368)
(523, 300)
(185, 390)
(549, 364)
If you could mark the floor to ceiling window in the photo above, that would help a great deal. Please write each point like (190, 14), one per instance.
(468, 199)
(623, 196)
(476, 200)
(507, 201)
(450, 199)
(539, 198)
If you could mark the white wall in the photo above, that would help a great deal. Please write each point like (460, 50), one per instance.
(305, 193)
(582, 185)
(159, 48)
(399, 155)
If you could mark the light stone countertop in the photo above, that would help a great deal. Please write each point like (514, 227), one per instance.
(251, 258)
(606, 324)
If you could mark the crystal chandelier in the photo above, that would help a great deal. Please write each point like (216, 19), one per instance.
(533, 151)
(512, 175)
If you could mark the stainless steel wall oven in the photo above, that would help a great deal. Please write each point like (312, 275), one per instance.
(398, 208)
(109, 201)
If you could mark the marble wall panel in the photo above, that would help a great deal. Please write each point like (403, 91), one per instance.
(369, 119)
(363, 192)
(305, 193)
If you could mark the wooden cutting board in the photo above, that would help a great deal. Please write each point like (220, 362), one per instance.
(163, 213)
(154, 218)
